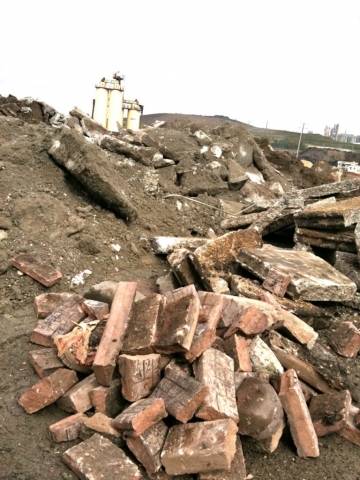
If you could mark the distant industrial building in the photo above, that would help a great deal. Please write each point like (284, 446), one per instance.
(340, 137)
(351, 167)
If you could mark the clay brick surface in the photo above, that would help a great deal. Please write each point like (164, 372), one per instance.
(215, 370)
(43, 273)
(99, 459)
(212, 306)
(350, 431)
(140, 334)
(139, 375)
(271, 443)
(276, 282)
(95, 309)
(45, 361)
(48, 390)
(238, 348)
(301, 427)
(111, 341)
(46, 303)
(77, 399)
(346, 340)
(182, 394)
(203, 339)
(250, 321)
(183, 268)
(59, 322)
(140, 416)
(99, 423)
(108, 400)
(199, 447)
(231, 310)
(147, 446)
(237, 470)
(176, 325)
(68, 428)
(330, 412)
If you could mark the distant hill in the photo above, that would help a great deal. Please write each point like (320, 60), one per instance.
(211, 122)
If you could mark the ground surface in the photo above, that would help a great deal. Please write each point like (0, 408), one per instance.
(46, 213)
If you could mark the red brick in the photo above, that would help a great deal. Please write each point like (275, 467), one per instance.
(330, 412)
(182, 394)
(346, 340)
(237, 470)
(147, 446)
(203, 339)
(60, 322)
(271, 443)
(68, 428)
(238, 348)
(43, 273)
(139, 375)
(350, 430)
(212, 306)
(301, 427)
(199, 447)
(45, 361)
(276, 282)
(249, 321)
(95, 309)
(46, 303)
(77, 399)
(108, 400)
(182, 267)
(48, 390)
(111, 341)
(215, 370)
(179, 364)
(140, 416)
(99, 459)
(100, 423)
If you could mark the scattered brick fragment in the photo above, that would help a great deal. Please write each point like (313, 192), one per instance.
(237, 470)
(43, 273)
(45, 361)
(203, 339)
(95, 309)
(68, 428)
(46, 303)
(346, 340)
(77, 399)
(238, 348)
(140, 416)
(330, 412)
(276, 282)
(139, 375)
(212, 306)
(249, 321)
(108, 400)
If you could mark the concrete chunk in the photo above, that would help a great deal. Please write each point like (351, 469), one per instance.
(342, 213)
(166, 245)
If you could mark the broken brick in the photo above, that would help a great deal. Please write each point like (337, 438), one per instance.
(350, 430)
(68, 428)
(77, 399)
(182, 394)
(238, 348)
(43, 273)
(139, 375)
(237, 470)
(249, 321)
(203, 339)
(346, 340)
(48, 390)
(276, 282)
(301, 426)
(271, 443)
(182, 268)
(199, 447)
(45, 361)
(60, 322)
(108, 400)
(140, 416)
(212, 306)
(46, 303)
(95, 309)
(100, 423)
(112, 338)
(330, 412)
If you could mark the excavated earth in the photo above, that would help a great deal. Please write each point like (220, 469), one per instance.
(45, 212)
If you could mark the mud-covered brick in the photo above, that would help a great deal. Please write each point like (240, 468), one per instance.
(212, 307)
(199, 447)
(139, 375)
(77, 399)
(68, 428)
(60, 322)
(46, 303)
(276, 282)
(43, 273)
(140, 416)
(48, 390)
(203, 339)
(182, 394)
(45, 361)
(108, 400)
(95, 309)
(112, 338)
(249, 321)
(346, 340)
(238, 348)
(330, 412)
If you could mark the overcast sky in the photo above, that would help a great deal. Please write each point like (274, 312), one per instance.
(277, 61)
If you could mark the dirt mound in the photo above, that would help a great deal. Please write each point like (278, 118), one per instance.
(211, 122)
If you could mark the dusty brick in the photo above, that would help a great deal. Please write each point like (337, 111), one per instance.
(241, 376)
(99, 459)
(183, 268)
(140, 416)
(231, 310)
(199, 447)
(238, 348)
(45, 361)
(60, 322)
(43, 273)
(203, 339)
(77, 399)
(179, 363)
(346, 340)
(48, 390)
(276, 282)
(250, 321)
(112, 338)
(139, 375)
(301, 427)
(182, 394)
(147, 446)
(108, 400)
(350, 430)
(215, 370)
(140, 334)
(46, 303)
(176, 325)
(237, 470)
(212, 306)
(100, 423)
(68, 428)
(330, 412)
(271, 443)
(95, 309)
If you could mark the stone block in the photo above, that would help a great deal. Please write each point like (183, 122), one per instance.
(46, 303)
(182, 394)
(238, 348)
(330, 411)
(99, 459)
(199, 447)
(112, 338)
(60, 322)
(95, 309)
(77, 399)
(215, 370)
(45, 361)
(139, 375)
(301, 427)
(43, 273)
(346, 340)
(68, 428)
(108, 400)
(140, 416)
(48, 390)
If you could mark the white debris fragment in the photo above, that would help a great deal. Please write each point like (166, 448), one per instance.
(216, 150)
(179, 205)
(253, 177)
(116, 247)
(79, 279)
(204, 149)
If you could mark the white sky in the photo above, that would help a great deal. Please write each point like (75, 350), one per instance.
(281, 61)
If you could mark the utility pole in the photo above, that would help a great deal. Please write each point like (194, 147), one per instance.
(301, 134)
(266, 127)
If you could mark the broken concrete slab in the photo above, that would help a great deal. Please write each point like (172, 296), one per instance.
(348, 264)
(43, 273)
(311, 277)
(340, 214)
(240, 221)
(92, 129)
(237, 175)
(142, 155)
(339, 240)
